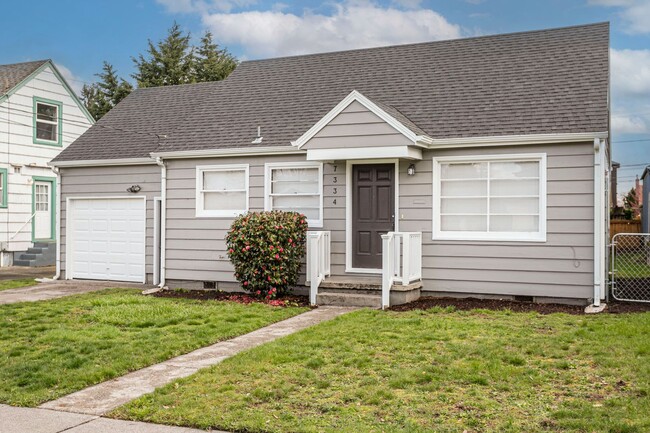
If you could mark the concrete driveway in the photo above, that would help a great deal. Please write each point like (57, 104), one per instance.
(59, 289)
(20, 272)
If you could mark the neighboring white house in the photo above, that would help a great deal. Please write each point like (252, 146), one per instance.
(40, 115)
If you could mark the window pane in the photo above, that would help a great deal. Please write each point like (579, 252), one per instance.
(224, 180)
(464, 206)
(46, 131)
(514, 205)
(514, 187)
(464, 188)
(469, 223)
(224, 201)
(294, 174)
(514, 169)
(287, 202)
(46, 112)
(514, 223)
(470, 170)
(284, 187)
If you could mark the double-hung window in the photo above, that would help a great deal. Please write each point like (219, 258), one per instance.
(221, 190)
(490, 198)
(47, 121)
(3, 187)
(295, 187)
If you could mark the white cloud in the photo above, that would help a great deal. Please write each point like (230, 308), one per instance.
(630, 75)
(622, 124)
(75, 82)
(352, 25)
(635, 13)
(630, 71)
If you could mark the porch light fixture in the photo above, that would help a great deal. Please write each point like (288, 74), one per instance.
(134, 189)
(411, 170)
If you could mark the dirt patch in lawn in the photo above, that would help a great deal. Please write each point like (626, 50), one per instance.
(427, 302)
(242, 298)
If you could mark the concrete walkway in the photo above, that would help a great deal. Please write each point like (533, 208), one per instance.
(59, 289)
(104, 397)
(33, 420)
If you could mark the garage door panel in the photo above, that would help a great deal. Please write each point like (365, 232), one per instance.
(108, 238)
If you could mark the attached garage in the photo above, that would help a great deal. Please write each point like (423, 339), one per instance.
(106, 238)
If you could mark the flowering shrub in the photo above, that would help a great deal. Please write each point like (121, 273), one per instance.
(266, 248)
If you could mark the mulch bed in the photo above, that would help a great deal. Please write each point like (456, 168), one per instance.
(427, 302)
(242, 298)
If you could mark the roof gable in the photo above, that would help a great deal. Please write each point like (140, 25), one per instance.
(356, 97)
(15, 76)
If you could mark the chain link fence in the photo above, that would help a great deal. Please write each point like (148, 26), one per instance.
(630, 267)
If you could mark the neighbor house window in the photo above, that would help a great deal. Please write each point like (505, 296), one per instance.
(3, 187)
(490, 198)
(221, 190)
(295, 187)
(47, 121)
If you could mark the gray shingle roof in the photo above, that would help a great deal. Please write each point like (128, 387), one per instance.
(547, 81)
(11, 75)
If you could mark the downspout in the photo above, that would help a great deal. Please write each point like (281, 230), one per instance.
(163, 219)
(598, 221)
(58, 223)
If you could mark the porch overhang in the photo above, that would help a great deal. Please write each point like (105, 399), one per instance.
(355, 153)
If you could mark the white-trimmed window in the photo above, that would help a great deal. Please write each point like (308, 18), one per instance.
(47, 121)
(295, 186)
(500, 197)
(221, 190)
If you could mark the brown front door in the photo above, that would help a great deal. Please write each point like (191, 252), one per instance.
(373, 212)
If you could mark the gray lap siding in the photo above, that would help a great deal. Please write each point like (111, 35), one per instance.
(561, 267)
(111, 182)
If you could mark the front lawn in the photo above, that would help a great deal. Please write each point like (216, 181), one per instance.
(52, 348)
(16, 284)
(438, 370)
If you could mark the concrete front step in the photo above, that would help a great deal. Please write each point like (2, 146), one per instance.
(349, 299)
(363, 292)
(41, 254)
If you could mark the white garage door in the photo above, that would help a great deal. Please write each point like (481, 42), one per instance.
(107, 239)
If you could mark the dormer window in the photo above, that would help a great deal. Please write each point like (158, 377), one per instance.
(47, 122)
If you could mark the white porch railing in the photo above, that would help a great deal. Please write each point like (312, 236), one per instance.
(318, 261)
(401, 261)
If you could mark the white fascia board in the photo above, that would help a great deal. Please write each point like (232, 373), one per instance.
(374, 108)
(102, 162)
(515, 140)
(217, 153)
(403, 152)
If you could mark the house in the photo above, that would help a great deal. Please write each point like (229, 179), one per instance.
(39, 116)
(471, 166)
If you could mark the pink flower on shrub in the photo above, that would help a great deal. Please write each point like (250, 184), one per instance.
(245, 283)
(277, 256)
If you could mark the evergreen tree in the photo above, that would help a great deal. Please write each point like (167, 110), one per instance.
(169, 62)
(100, 97)
(212, 63)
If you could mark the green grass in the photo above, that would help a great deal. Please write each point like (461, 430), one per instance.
(52, 348)
(15, 284)
(423, 371)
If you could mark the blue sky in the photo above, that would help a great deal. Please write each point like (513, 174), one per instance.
(79, 34)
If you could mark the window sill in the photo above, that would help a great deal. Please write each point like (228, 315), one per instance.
(48, 143)
(537, 238)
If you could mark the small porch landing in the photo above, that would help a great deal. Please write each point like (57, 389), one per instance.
(356, 291)
(400, 281)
